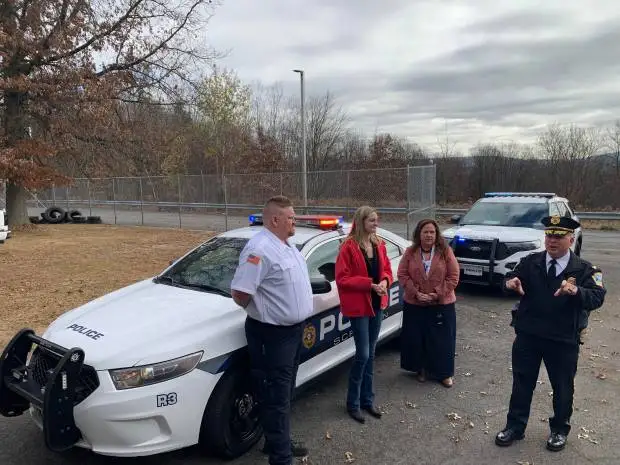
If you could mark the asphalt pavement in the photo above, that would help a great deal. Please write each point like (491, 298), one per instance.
(427, 423)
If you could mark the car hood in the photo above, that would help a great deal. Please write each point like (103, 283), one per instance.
(505, 233)
(146, 323)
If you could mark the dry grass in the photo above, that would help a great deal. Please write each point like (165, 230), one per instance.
(49, 269)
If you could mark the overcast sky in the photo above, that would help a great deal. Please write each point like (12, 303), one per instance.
(495, 70)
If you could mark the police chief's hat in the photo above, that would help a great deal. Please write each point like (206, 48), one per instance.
(559, 225)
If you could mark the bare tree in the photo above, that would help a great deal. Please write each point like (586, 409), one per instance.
(568, 151)
(77, 57)
(612, 142)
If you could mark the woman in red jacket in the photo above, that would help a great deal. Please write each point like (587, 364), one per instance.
(363, 275)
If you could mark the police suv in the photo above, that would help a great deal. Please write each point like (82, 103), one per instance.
(500, 229)
(162, 364)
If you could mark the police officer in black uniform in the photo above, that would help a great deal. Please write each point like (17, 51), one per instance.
(558, 291)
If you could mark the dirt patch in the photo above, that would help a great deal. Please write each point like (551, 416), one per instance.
(50, 269)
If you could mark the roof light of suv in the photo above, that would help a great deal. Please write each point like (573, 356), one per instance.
(324, 222)
(547, 195)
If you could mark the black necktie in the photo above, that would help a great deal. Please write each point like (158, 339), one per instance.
(551, 273)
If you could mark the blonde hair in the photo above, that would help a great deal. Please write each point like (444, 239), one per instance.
(357, 231)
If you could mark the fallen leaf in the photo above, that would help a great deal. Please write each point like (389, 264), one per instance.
(327, 435)
(348, 457)
(453, 416)
(471, 424)
(601, 376)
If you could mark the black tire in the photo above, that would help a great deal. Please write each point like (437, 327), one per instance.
(34, 219)
(93, 220)
(54, 215)
(230, 425)
(73, 215)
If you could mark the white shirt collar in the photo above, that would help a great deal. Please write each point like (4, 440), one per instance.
(562, 261)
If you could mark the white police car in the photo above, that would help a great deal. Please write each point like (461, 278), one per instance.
(5, 233)
(500, 229)
(162, 364)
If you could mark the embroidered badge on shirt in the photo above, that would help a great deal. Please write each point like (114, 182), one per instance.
(253, 259)
(598, 278)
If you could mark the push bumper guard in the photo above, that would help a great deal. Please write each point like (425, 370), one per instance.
(490, 275)
(18, 389)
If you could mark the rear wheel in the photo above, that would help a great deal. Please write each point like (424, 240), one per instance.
(230, 424)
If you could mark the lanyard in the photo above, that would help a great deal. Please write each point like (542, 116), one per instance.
(427, 263)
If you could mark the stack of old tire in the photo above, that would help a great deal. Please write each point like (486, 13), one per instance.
(57, 215)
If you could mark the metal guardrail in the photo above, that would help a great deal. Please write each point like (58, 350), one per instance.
(311, 208)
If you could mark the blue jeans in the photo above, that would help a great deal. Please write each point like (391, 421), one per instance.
(365, 334)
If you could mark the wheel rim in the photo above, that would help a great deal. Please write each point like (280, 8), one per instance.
(244, 421)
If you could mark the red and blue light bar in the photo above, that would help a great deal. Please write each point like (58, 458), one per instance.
(325, 222)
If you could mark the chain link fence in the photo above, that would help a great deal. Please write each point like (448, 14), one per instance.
(402, 195)
(2, 194)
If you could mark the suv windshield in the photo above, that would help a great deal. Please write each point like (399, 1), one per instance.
(525, 215)
(209, 268)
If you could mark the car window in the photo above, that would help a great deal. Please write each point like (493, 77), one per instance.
(393, 250)
(553, 209)
(561, 208)
(212, 264)
(516, 214)
(567, 211)
(322, 260)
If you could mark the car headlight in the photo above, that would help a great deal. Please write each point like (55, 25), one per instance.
(128, 378)
(514, 247)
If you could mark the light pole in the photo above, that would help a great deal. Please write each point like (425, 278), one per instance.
(304, 167)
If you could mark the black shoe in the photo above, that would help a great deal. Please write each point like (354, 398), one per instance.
(507, 436)
(556, 441)
(297, 449)
(357, 415)
(373, 411)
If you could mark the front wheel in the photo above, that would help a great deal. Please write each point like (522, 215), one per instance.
(230, 424)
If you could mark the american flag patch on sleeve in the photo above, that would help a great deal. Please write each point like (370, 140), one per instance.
(253, 259)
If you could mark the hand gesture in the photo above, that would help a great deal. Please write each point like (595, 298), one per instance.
(383, 285)
(379, 289)
(514, 284)
(424, 298)
(566, 288)
(433, 296)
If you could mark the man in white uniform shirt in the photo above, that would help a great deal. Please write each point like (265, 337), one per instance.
(273, 285)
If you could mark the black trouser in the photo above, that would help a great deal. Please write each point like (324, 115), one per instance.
(428, 339)
(561, 364)
(274, 357)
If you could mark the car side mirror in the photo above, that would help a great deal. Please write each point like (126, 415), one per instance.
(455, 219)
(320, 285)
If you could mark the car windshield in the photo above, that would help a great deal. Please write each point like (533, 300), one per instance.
(209, 268)
(525, 215)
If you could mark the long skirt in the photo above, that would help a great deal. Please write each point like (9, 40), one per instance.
(428, 340)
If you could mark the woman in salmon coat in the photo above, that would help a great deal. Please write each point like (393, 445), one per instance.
(363, 276)
(429, 273)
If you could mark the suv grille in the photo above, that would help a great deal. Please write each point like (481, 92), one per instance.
(479, 249)
(42, 365)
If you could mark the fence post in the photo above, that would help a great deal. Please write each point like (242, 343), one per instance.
(114, 197)
(179, 198)
(348, 192)
(67, 197)
(141, 201)
(225, 203)
(202, 184)
(54, 194)
(90, 206)
(408, 200)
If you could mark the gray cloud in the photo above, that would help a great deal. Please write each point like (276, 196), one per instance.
(516, 71)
